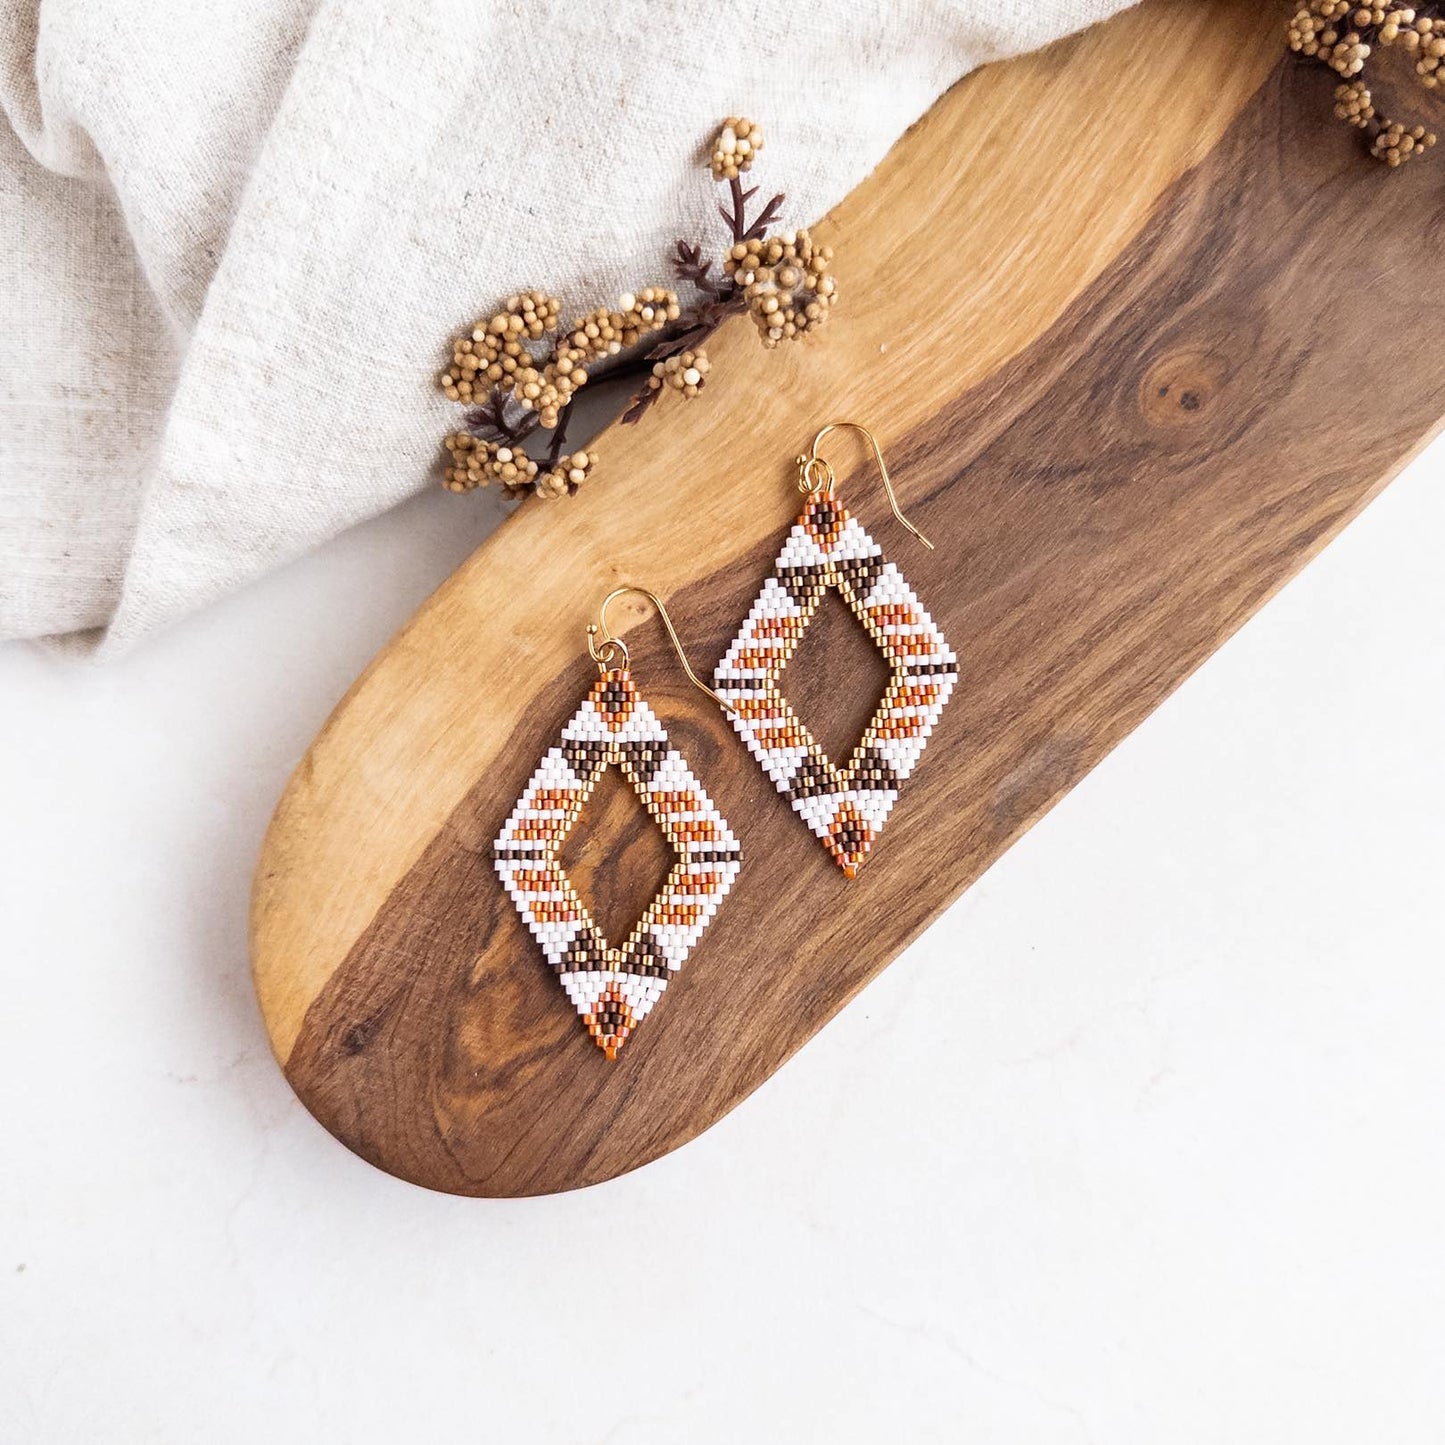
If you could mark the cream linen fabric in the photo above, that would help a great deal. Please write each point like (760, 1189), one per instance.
(237, 235)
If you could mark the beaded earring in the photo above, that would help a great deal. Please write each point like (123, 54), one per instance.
(828, 547)
(614, 988)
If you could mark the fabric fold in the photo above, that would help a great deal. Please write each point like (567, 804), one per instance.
(238, 239)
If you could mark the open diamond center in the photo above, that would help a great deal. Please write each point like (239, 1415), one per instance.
(613, 982)
(616, 857)
(835, 645)
(845, 806)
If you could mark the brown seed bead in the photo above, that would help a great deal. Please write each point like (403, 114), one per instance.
(1430, 49)
(609, 330)
(1402, 27)
(1344, 34)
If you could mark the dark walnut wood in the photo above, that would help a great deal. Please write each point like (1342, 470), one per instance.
(1108, 505)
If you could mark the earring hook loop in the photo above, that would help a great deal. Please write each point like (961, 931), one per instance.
(813, 481)
(607, 652)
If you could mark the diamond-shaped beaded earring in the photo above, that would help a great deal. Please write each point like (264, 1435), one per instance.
(615, 988)
(828, 547)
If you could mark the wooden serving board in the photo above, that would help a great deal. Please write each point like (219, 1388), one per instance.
(1140, 328)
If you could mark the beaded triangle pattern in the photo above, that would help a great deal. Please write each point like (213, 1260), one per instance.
(614, 989)
(846, 807)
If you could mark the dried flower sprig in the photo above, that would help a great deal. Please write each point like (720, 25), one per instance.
(518, 371)
(1344, 35)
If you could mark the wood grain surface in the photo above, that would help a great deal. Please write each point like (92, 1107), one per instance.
(1112, 310)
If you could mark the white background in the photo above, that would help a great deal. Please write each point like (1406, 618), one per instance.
(1142, 1144)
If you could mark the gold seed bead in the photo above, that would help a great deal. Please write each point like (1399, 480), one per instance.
(1398, 28)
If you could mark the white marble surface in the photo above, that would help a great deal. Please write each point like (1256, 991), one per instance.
(1142, 1143)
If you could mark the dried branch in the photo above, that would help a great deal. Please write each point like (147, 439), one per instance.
(652, 335)
(735, 217)
(559, 436)
(501, 418)
(688, 265)
(766, 217)
(1345, 37)
(639, 405)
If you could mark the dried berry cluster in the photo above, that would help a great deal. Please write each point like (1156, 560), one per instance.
(478, 463)
(785, 282)
(684, 372)
(495, 354)
(737, 143)
(518, 370)
(1343, 36)
(496, 348)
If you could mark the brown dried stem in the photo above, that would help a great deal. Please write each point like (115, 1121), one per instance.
(1347, 36)
(535, 392)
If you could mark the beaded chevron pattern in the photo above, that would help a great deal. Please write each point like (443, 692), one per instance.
(614, 989)
(845, 807)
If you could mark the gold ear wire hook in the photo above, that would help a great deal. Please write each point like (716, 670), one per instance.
(807, 464)
(605, 653)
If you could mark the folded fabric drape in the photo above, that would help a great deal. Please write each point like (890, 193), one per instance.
(237, 237)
